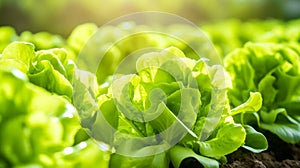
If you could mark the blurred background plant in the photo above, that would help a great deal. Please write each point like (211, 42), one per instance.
(61, 16)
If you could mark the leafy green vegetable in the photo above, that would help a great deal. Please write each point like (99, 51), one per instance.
(273, 70)
(45, 126)
(138, 95)
(50, 69)
(42, 123)
(170, 100)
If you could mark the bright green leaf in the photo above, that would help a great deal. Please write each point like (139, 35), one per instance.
(228, 139)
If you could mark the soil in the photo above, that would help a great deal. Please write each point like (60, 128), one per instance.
(278, 155)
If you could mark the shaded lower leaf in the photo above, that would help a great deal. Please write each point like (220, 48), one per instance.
(179, 154)
(255, 141)
(280, 123)
(155, 161)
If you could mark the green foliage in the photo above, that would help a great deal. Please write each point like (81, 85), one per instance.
(273, 70)
(49, 69)
(39, 125)
(170, 107)
(34, 123)
(230, 34)
(168, 101)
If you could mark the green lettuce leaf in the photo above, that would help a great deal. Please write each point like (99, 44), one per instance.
(280, 123)
(253, 104)
(255, 141)
(229, 138)
(51, 70)
(185, 157)
(21, 52)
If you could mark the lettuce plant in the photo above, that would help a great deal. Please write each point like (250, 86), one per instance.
(38, 128)
(39, 125)
(33, 122)
(172, 109)
(274, 71)
(50, 69)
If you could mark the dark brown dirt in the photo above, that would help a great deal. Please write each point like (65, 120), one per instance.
(278, 155)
